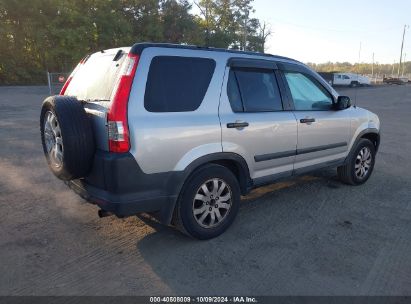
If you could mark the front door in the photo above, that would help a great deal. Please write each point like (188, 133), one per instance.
(323, 133)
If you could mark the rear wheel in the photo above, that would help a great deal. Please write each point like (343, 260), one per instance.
(208, 203)
(360, 164)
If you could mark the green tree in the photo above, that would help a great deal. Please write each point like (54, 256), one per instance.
(178, 25)
(227, 24)
(53, 35)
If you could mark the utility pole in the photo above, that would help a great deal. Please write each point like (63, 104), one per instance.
(402, 47)
(403, 66)
(359, 53)
(359, 60)
(372, 67)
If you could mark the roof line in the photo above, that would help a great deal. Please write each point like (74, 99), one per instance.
(139, 47)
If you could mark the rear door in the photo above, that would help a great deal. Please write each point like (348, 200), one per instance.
(345, 79)
(255, 123)
(323, 133)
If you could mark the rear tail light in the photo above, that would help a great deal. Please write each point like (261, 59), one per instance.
(118, 135)
(66, 84)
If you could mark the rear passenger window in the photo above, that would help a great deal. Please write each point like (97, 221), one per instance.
(234, 93)
(177, 84)
(253, 90)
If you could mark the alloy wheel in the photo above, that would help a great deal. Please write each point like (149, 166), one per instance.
(212, 203)
(53, 139)
(363, 163)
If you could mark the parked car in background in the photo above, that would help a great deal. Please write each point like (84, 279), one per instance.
(350, 79)
(396, 80)
(183, 131)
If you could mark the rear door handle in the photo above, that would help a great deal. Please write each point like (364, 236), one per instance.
(307, 120)
(237, 125)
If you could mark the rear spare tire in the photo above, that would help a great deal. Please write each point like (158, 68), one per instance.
(67, 137)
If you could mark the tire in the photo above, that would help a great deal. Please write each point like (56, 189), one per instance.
(349, 173)
(188, 202)
(67, 137)
(354, 84)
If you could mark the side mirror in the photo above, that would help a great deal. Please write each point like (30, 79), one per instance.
(343, 102)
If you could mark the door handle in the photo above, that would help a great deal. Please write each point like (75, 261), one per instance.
(307, 120)
(237, 125)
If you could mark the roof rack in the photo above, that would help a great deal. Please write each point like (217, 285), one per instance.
(139, 47)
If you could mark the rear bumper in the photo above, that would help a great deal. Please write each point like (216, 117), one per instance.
(117, 184)
(119, 204)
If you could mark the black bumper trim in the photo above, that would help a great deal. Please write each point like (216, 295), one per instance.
(117, 184)
(121, 205)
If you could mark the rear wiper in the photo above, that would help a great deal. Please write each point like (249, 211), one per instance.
(118, 55)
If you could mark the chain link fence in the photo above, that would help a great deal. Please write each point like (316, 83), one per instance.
(56, 81)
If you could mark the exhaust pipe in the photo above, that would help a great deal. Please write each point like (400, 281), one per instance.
(103, 213)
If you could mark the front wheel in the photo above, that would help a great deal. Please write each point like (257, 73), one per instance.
(360, 164)
(208, 203)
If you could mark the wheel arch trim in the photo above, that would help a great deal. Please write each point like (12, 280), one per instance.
(219, 158)
(360, 135)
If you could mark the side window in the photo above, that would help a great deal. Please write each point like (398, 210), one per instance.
(346, 77)
(177, 84)
(233, 93)
(307, 93)
(253, 90)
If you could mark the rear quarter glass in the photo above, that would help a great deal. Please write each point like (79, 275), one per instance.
(96, 78)
(177, 84)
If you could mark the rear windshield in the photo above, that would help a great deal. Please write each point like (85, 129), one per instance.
(177, 84)
(95, 79)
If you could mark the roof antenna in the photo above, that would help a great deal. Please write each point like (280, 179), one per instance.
(358, 77)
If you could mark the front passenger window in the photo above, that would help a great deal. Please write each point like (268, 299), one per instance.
(307, 94)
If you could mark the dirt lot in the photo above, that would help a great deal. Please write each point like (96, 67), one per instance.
(310, 236)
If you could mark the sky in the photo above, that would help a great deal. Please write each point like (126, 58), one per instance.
(332, 30)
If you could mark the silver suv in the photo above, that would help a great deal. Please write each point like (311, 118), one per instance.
(183, 131)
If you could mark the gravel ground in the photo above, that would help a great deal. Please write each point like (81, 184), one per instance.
(307, 236)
